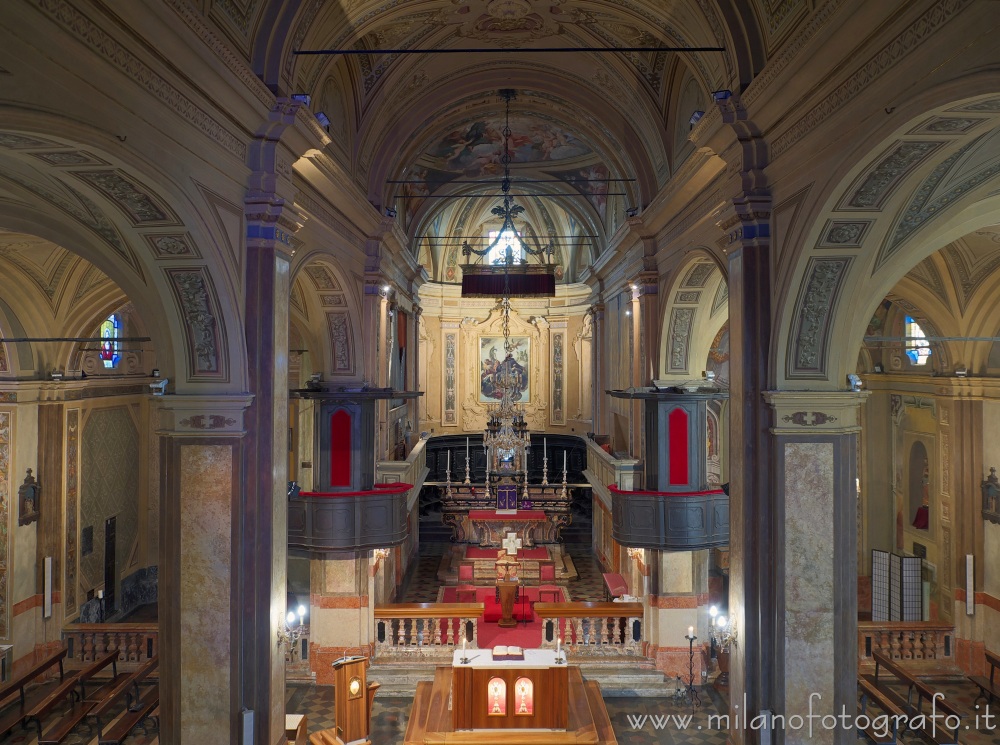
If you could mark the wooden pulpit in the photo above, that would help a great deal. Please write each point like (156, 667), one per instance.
(354, 698)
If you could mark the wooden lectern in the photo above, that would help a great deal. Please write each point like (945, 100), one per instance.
(354, 697)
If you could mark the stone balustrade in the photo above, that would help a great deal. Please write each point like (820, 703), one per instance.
(604, 470)
(914, 641)
(87, 642)
(592, 629)
(426, 629)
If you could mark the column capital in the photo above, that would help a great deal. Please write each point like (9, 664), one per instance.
(816, 412)
(198, 416)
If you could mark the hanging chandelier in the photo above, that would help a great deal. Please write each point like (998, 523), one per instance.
(508, 274)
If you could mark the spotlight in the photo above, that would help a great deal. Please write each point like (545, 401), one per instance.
(303, 98)
(709, 375)
(56, 375)
(293, 489)
(385, 289)
(854, 381)
(390, 212)
(159, 388)
(961, 372)
(324, 120)
(879, 368)
(628, 312)
(632, 212)
(696, 117)
(721, 95)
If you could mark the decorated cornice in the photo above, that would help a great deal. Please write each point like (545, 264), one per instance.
(816, 412)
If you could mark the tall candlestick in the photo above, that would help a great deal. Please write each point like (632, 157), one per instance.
(466, 448)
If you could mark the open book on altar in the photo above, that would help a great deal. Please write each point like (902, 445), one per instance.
(507, 653)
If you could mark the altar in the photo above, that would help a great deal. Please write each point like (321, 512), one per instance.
(532, 693)
(474, 520)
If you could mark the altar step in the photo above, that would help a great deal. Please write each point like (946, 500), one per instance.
(618, 678)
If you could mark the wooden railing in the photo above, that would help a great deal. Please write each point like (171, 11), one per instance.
(426, 629)
(86, 642)
(607, 470)
(914, 641)
(592, 629)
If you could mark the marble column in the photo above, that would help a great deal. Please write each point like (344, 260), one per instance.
(341, 612)
(814, 555)
(201, 615)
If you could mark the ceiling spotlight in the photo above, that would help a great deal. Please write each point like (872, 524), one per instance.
(696, 117)
(324, 120)
(628, 312)
(961, 372)
(385, 289)
(390, 212)
(632, 212)
(303, 98)
(721, 95)
(855, 382)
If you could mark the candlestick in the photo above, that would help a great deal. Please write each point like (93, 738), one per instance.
(690, 630)
(467, 474)
(545, 447)
(448, 467)
(564, 462)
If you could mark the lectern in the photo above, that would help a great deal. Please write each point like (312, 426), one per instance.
(354, 701)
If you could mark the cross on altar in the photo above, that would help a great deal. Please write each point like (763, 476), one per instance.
(512, 543)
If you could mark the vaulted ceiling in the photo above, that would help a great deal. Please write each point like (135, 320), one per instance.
(597, 132)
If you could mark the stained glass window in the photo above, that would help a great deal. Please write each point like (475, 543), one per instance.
(917, 347)
(499, 252)
(110, 346)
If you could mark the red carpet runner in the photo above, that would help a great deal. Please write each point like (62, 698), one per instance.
(527, 635)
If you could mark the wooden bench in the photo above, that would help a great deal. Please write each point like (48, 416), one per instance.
(325, 737)
(138, 707)
(147, 706)
(883, 663)
(938, 713)
(989, 688)
(899, 718)
(79, 708)
(17, 712)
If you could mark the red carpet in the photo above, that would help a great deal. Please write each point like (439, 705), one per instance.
(528, 635)
(474, 552)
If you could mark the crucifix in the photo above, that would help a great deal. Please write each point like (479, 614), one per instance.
(512, 543)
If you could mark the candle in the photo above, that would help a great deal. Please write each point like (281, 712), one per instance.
(564, 461)
(466, 448)
(448, 467)
(545, 447)
(558, 645)
(463, 647)
(690, 630)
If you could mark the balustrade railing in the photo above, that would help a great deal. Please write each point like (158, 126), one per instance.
(914, 641)
(412, 470)
(607, 470)
(426, 629)
(87, 642)
(592, 629)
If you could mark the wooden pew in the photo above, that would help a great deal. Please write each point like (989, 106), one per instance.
(138, 708)
(896, 715)
(989, 688)
(17, 713)
(78, 710)
(884, 664)
(938, 712)
(324, 737)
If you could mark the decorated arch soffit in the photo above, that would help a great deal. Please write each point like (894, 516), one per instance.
(935, 184)
(695, 314)
(130, 232)
(325, 308)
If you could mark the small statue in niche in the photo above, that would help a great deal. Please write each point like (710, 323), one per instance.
(27, 497)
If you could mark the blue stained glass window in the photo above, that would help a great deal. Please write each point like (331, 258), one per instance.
(110, 346)
(918, 349)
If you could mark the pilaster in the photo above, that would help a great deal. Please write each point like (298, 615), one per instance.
(813, 552)
(202, 618)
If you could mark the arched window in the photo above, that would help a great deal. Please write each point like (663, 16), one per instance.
(499, 252)
(110, 346)
(917, 347)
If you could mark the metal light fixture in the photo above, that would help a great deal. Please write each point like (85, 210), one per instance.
(289, 632)
(508, 233)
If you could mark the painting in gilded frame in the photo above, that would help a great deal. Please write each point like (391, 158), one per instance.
(493, 362)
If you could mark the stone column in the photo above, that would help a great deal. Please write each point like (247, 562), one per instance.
(814, 552)
(341, 592)
(202, 616)
(649, 330)
(600, 345)
(751, 510)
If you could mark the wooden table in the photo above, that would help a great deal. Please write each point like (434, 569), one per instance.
(508, 596)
